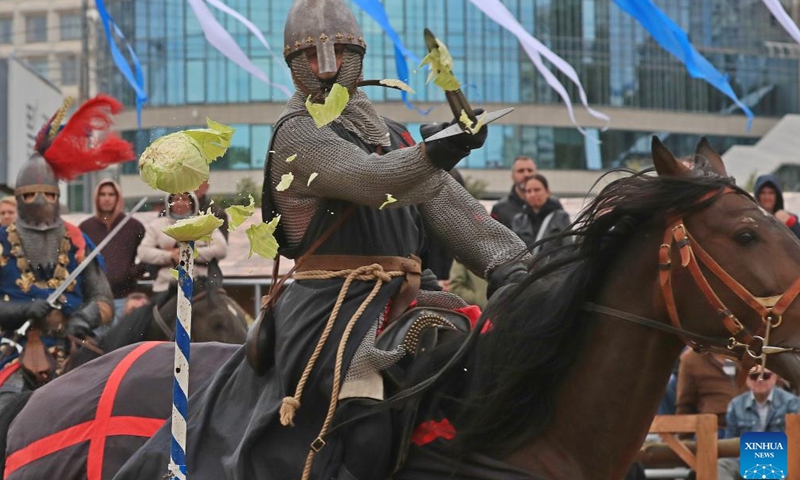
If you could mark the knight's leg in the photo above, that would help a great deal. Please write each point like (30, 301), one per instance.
(368, 448)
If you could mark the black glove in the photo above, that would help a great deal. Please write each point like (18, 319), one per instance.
(14, 314)
(447, 152)
(78, 326)
(506, 274)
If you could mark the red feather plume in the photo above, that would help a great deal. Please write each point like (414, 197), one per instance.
(74, 152)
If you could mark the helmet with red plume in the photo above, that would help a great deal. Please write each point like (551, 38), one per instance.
(84, 144)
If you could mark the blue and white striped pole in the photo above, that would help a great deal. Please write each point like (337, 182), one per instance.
(180, 389)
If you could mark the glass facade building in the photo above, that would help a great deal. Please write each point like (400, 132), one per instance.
(620, 66)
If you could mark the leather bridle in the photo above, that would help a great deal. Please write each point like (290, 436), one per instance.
(692, 255)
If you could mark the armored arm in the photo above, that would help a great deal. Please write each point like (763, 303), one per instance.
(476, 239)
(344, 171)
(98, 302)
(15, 313)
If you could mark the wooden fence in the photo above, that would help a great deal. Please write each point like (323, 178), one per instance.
(701, 455)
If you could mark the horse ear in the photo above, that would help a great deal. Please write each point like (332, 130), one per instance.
(714, 161)
(214, 275)
(665, 162)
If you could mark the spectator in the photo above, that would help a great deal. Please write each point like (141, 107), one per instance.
(541, 217)
(134, 301)
(762, 409)
(706, 384)
(205, 203)
(8, 211)
(120, 253)
(467, 285)
(158, 248)
(770, 196)
(508, 207)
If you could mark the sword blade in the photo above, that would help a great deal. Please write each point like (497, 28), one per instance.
(456, 129)
(51, 299)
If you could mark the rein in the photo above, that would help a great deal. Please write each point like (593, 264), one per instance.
(770, 309)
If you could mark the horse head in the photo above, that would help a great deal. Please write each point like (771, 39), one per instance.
(575, 359)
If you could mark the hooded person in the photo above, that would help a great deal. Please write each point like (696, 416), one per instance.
(119, 254)
(769, 195)
(273, 424)
(39, 250)
(158, 248)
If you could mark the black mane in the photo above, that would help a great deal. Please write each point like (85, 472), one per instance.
(514, 371)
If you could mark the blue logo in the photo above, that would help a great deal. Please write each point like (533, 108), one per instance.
(763, 455)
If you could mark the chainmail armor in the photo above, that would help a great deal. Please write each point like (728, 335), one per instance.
(369, 359)
(476, 239)
(95, 285)
(439, 299)
(359, 116)
(41, 246)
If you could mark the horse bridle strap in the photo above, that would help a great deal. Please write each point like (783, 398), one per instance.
(770, 309)
(708, 343)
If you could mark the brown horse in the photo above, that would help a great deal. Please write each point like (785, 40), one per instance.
(567, 380)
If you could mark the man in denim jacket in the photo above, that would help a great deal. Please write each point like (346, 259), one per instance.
(762, 409)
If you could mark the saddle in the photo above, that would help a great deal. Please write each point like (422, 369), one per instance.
(418, 331)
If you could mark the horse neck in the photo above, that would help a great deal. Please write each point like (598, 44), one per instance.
(606, 402)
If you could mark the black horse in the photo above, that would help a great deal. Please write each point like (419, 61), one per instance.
(216, 317)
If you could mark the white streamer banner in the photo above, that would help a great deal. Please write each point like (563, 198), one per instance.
(535, 49)
(783, 18)
(222, 40)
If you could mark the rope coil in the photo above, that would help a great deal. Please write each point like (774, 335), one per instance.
(290, 405)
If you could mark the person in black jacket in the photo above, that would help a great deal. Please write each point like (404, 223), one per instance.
(509, 206)
(541, 217)
(770, 196)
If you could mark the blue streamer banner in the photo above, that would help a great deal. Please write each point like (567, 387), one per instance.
(674, 40)
(374, 8)
(134, 77)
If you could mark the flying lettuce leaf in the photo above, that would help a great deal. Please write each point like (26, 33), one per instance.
(311, 178)
(199, 227)
(179, 162)
(286, 181)
(262, 239)
(240, 213)
(441, 64)
(471, 127)
(399, 84)
(330, 110)
(291, 158)
(389, 199)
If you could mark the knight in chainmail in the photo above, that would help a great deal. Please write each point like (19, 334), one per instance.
(245, 425)
(37, 253)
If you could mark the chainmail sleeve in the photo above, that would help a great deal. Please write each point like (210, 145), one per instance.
(476, 239)
(343, 171)
(95, 285)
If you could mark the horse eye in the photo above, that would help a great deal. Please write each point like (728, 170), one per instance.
(745, 238)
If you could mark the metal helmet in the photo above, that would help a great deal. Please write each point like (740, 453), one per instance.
(321, 24)
(37, 195)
